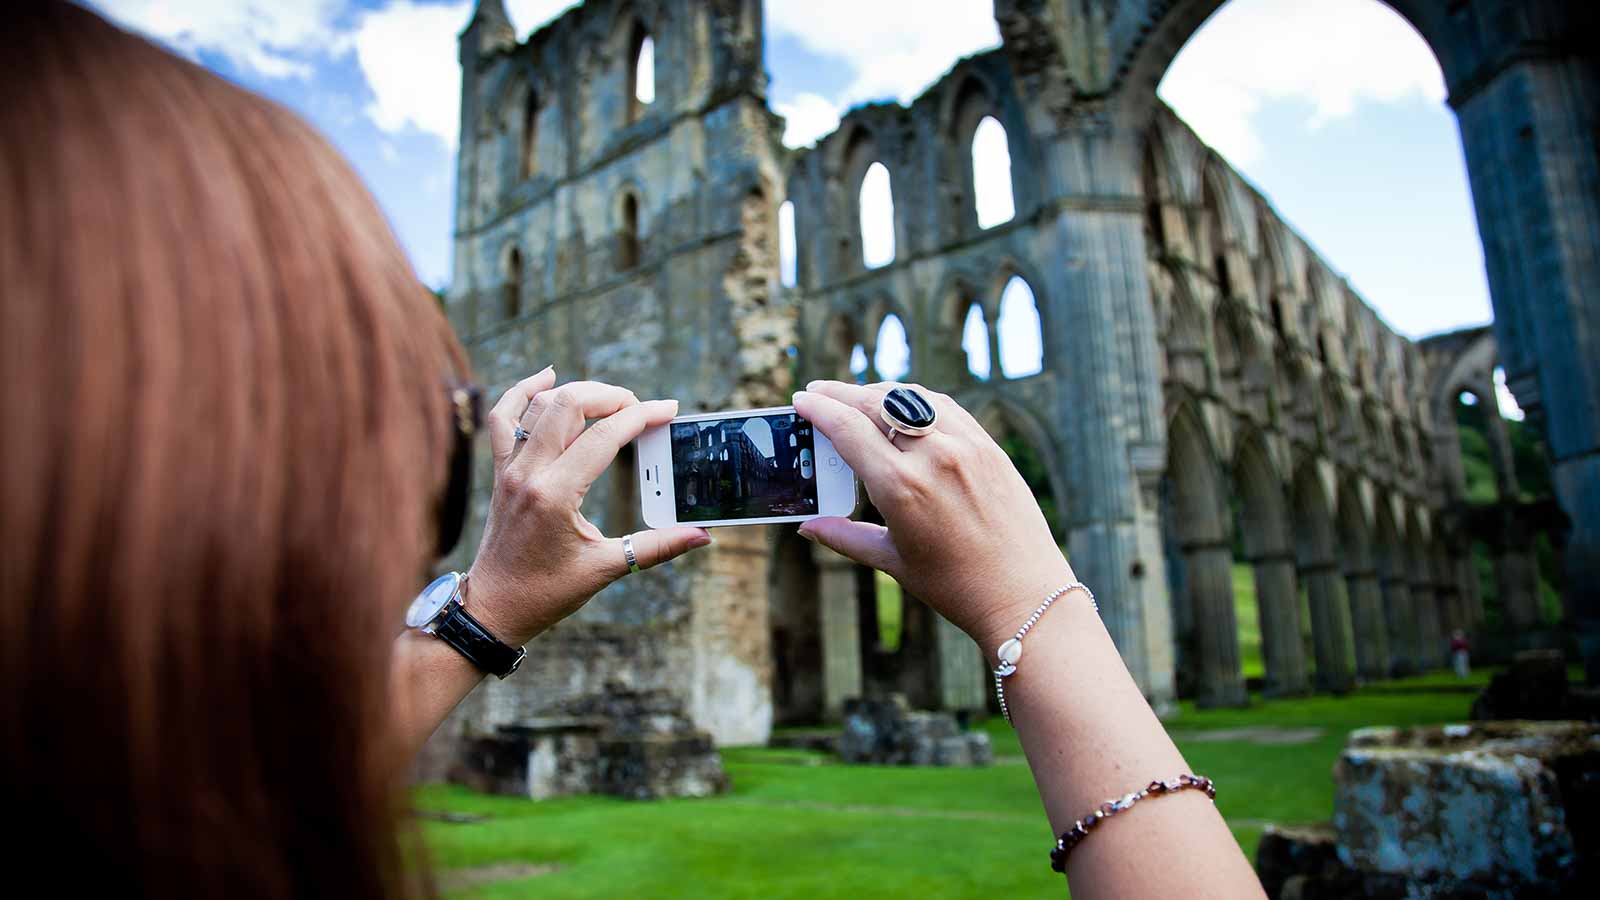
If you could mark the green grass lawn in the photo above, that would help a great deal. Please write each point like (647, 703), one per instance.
(799, 825)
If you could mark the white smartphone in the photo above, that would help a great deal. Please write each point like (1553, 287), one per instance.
(745, 467)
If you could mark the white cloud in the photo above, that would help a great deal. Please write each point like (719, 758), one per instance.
(807, 118)
(895, 47)
(408, 54)
(1332, 54)
(272, 38)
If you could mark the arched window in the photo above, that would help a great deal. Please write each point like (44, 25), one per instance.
(641, 72)
(787, 248)
(991, 174)
(858, 363)
(511, 298)
(527, 158)
(628, 239)
(1021, 335)
(877, 217)
(975, 341)
(893, 356)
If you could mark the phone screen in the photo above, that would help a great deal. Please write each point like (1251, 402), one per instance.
(745, 467)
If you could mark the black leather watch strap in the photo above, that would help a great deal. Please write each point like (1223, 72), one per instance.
(460, 630)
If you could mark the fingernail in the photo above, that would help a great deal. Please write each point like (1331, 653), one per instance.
(801, 396)
(806, 534)
(813, 385)
(549, 368)
(700, 540)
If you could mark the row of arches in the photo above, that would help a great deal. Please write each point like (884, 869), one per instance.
(1005, 334)
(1343, 581)
(1224, 246)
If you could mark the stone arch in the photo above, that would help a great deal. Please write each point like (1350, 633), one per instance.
(839, 335)
(947, 358)
(1165, 228)
(513, 274)
(1167, 31)
(635, 37)
(1012, 268)
(1219, 230)
(973, 101)
(1263, 523)
(1195, 509)
(1000, 415)
(628, 215)
(859, 150)
(1316, 550)
(1186, 335)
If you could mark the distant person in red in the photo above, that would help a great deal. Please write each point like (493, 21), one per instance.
(1459, 653)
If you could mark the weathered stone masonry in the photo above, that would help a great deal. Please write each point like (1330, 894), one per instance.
(1195, 349)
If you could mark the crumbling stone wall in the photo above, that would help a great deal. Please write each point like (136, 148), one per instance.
(1195, 349)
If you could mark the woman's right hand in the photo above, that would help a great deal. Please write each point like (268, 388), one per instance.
(964, 533)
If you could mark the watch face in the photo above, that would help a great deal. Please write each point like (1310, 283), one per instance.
(432, 600)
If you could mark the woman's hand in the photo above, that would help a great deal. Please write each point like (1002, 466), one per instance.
(964, 533)
(540, 559)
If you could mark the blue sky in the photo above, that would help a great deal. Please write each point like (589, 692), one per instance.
(1333, 108)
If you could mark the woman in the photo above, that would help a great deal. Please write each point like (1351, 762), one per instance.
(235, 429)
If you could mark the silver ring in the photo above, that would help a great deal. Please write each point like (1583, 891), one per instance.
(908, 412)
(519, 433)
(627, 553)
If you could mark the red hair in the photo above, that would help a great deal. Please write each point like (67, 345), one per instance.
(226, 433)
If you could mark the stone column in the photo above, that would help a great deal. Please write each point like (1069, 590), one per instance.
(1431, 647)
(1209, 570)
(1527, 99)
(1282, 648)
(1368, 625)
(839, 619)
(1330, 625)
(1401, 619)
(1516, 577)
(963, 677)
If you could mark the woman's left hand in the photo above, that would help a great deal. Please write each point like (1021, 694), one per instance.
(540, 559)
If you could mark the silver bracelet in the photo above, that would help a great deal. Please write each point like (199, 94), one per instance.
(1011, 651)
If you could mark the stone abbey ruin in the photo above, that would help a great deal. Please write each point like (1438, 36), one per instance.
(1209, 386)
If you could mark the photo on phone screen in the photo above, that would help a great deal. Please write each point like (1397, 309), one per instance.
(749, 467)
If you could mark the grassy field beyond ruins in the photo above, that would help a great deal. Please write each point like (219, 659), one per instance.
(798, 824)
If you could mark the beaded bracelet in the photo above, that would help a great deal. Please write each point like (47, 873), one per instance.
(1010, 652)
(1081, 828)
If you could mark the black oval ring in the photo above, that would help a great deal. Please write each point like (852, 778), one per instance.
(908, 412)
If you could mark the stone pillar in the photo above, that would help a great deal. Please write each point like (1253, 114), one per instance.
(1516, 578)
(1282, 648)
(838, 600)
(1367, 624)
(731, 640)
(1452, 612)
(1099, 323)
(1209, 576)
(963, 677)
(1330, 625)
(1401, 618)
(1527, 99)
(1431, 647)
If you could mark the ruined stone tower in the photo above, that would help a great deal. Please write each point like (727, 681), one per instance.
(1208, 387)
(623, 227)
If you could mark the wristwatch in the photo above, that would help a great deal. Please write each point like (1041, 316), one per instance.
(440, 610)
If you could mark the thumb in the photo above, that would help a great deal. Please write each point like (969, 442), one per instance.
(864, 542)
(651, 548)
